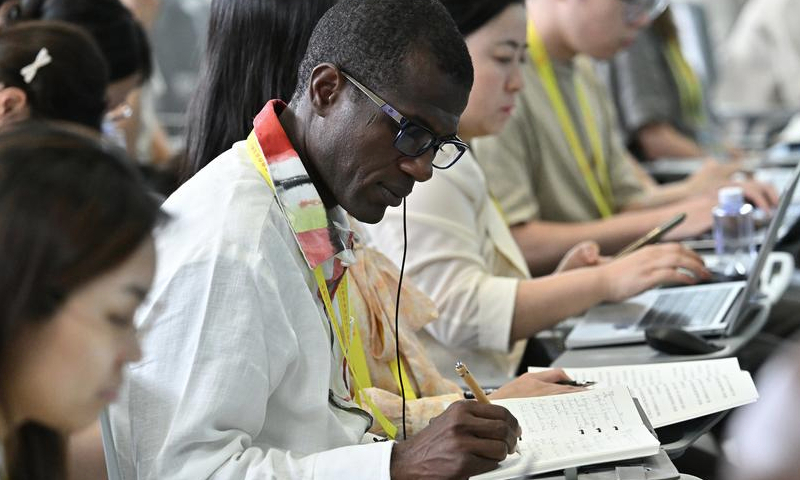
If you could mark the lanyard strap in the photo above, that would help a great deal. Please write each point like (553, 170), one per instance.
(407, 386)
(597, 180)
(347, 335)
(498, 207)
(690, 90)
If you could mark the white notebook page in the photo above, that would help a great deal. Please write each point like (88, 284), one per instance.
(677, 391)
(647, 374)
(563, 431)
(682, 400)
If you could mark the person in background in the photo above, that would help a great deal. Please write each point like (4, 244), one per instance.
(144, 133)
(461, 251)
(760, 63)
(659, 99)
(51, 70)
(259, 242)
(77, 259)
(125, 47)
(65, 79)
(562, 178)
(225, 102)
(236, 27)
(764, 438)
(120, 37)
(720, 18)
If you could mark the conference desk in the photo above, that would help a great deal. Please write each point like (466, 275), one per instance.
(775, 282)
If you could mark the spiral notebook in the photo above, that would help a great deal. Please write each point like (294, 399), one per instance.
(564, 431)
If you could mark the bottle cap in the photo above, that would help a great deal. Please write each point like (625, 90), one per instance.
(730, 197)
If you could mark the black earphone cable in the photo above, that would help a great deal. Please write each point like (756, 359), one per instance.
(397, 320)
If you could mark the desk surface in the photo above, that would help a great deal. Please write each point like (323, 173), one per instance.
(643, 353)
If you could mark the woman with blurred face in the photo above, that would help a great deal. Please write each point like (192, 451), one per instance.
(76, 259)
(460, 250)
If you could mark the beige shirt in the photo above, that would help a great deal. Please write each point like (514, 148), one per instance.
(530, 166)
(461, 253)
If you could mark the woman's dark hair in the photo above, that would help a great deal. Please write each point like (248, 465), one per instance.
(470, 15)
(9, 11)
(70, 210)
(253, 52)
(72, 86)
(119, 35)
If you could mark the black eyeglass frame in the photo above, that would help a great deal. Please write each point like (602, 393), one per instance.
(404, 124)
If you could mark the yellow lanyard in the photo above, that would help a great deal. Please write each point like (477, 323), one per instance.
(498, 207)
(690, 90)
(597, 180)
(347, 335)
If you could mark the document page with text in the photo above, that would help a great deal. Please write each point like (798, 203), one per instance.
(678, 391)
(563, 431)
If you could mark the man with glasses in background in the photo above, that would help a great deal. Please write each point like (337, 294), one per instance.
(251, 368)
(559, 169)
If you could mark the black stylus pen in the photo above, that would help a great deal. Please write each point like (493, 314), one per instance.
(573, 383)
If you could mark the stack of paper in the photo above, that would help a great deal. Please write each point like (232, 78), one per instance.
(674, 392)
(564, 431)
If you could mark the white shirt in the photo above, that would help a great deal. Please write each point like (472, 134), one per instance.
(761, 61)
(237, 364)
(461, 253)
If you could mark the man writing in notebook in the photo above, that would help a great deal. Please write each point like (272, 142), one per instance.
(251, 364)
(559, 169)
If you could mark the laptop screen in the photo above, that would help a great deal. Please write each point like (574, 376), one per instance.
(753, 278)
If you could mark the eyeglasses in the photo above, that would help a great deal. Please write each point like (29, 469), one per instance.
(639, 10)
(414, 140)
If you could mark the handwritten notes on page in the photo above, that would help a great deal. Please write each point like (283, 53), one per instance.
(563, 431)
(674, 392)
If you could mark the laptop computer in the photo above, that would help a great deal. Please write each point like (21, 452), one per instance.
(710, 309)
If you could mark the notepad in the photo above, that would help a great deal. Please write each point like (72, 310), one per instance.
(678, 391)
(572, 430)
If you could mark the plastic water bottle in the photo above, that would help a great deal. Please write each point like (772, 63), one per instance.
(733, 232)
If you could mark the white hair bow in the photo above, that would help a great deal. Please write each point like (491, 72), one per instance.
(42, 58)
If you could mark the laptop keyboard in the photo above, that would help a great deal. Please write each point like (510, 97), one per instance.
(683, 309)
